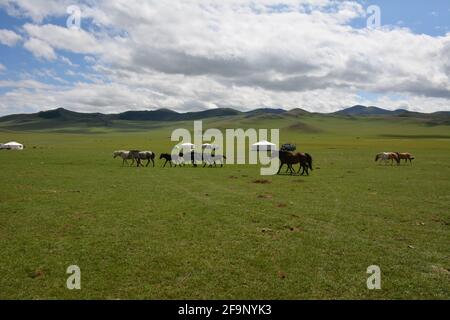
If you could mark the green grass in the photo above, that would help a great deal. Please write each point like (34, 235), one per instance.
(154, 233)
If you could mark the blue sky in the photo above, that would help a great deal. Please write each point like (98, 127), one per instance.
(428, 17)
(59, 75)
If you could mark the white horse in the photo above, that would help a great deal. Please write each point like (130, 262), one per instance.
(125, 155)
(144, 155)
(212, 159)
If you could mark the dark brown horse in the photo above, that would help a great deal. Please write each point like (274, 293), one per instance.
(305, 163)
(290, 159)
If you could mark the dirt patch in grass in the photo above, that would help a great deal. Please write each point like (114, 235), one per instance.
(440, 270)
(38, 273)
(265, 196)
(294, 229)
(261, 181)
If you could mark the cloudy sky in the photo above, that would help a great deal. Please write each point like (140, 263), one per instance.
(320, 55)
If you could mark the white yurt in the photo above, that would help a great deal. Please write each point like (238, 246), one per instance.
(264, 146)
(12, 146)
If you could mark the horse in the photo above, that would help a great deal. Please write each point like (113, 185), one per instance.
(210, 160)
(169, 159)
(125, 155)
(405, 156)
(289, 158)
(386, 156)
(193, 157)
(305, 162)
(143, 155)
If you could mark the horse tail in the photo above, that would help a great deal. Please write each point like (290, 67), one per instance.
(308, 156)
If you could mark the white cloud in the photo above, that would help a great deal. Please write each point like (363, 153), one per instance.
(40, 49)
(239, 53)
(36, 9)
(2, 68)
(9, 38)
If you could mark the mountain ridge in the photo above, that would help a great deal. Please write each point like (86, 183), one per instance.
(62, 115)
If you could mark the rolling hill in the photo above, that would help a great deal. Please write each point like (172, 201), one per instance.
(63, 118)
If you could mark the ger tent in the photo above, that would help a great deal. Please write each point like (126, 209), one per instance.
(12, 146)
(263, 146)
(186, 146)
(209, 146)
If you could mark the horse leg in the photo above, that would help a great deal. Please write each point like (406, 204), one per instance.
(280, 168)
(290, 169)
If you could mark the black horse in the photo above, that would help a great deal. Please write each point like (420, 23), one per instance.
(177, 160)
(170, 159)
(289, 158)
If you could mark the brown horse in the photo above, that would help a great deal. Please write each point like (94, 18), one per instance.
(405, 156)
(289, 159)
(386, 156)
(305, 163)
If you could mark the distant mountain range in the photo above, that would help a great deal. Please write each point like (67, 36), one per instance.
(61, 115)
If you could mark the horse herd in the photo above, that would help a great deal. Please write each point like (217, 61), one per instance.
(181, 159)
(394, 156)
(288, 158)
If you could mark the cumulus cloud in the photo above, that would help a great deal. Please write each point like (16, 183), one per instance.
(9, 38)
(240, 53)
(40, 49)
(36, 9)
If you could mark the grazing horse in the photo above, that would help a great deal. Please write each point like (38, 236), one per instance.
(125, 155)
(405, 156)
(289, 158)
(386, 156)
(143, 155)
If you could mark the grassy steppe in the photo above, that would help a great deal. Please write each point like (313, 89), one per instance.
(154, 233)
